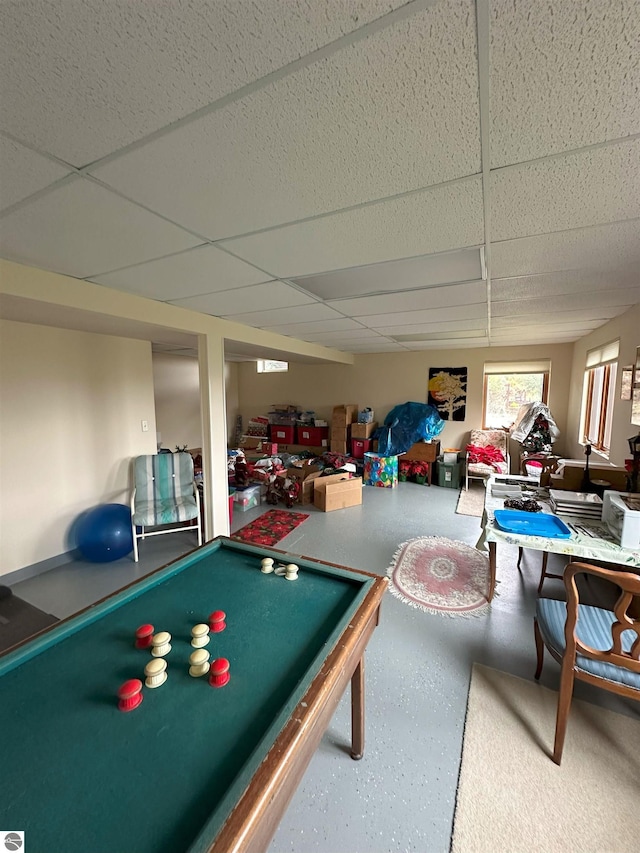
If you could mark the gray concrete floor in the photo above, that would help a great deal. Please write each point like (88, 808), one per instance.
(401, 795)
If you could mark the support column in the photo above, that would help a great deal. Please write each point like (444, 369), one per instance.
(214, 435)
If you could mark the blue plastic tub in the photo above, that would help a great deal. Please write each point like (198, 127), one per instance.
(532, 523)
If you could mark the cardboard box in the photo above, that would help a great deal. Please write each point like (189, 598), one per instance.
(423, 451)
(339, 447)
(344, 415)
(336, 492)
(363, 430)
(570, 472)
(312, 435)
(250, 442)
(307, 474)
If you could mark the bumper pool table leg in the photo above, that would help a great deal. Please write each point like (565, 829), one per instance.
(357, 711)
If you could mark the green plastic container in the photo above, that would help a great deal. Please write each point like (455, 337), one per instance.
(449, 475)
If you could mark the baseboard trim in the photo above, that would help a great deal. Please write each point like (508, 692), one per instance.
(40, 568)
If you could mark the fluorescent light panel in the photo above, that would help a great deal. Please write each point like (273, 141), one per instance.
(393, 276)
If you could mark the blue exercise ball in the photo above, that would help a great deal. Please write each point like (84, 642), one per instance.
(104, 533)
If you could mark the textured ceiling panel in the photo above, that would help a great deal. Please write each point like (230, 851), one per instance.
(426, 328)
(405, 274)
(338, 337)
(453, 343)
(99, 75)
(569, 281)
(23, 172)
(390, 113)
(81, 229)
(622, 297)
(273, 316)
(299, 330)
(602, 247)
(201, 270)
(436, 220)
(564, 75)
(432, 297)
(593, 187)
(274, 294)
(433, 315)
(370, 347)
(541, 325)
(570, 319)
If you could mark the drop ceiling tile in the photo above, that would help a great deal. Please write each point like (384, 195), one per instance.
(435, 220)
(75, 63)
(426, 327)
(565, 282)
(600, 247)
(524, 330)
(432, 297)
(589, 188)
(256, 298)
(388, 114)
(541, 325)
(448, 344)
(274, 316)
(535, 341)
(299, 330)
(372, 347)
(198, 271)
(553, 318)
(597, 301)
(405, 274)
(458, 312)
(563, 76)
(337, 337)
(81, 229)
(23, 172)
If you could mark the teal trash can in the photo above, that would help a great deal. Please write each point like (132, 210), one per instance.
(449, 473)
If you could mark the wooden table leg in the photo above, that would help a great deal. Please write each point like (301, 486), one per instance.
(492, 569)
(357, 711)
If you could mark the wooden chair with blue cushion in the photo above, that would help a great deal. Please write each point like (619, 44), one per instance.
(164, 493)
(592, 644)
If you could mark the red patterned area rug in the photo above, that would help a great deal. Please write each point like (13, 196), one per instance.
(270, 527)
(440, 576)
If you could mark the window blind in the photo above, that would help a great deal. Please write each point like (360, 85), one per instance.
(604, 353)
(540, 366)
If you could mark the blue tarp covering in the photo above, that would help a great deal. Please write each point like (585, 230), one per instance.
(405, 425)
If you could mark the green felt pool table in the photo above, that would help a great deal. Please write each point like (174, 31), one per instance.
(193, 768)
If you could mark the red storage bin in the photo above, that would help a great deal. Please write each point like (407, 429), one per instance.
(312, 435)
(281, 434)
(360, 446)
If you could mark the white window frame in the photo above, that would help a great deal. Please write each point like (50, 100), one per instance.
(598, 396)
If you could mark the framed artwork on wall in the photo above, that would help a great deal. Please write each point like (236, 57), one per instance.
(448, 392)
(635, 399)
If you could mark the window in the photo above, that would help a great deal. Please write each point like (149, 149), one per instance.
(598, 396)
(507, 386)
(270, 366)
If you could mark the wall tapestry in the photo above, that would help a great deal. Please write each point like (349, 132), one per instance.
(448, 392)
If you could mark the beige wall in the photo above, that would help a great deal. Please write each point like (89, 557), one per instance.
(233, 404)
(382, 381)
(626, 328)
(177, 394)
(70, 421)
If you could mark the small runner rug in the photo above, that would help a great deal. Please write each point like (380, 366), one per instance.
(440, 576)
(270, 527)
(512, 797)
(471, 500)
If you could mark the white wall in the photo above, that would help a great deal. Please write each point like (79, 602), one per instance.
(70, 421)
(626, 328)
(177, 394)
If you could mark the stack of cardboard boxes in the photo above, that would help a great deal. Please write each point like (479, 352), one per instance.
(361, 441)
(342, 418)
